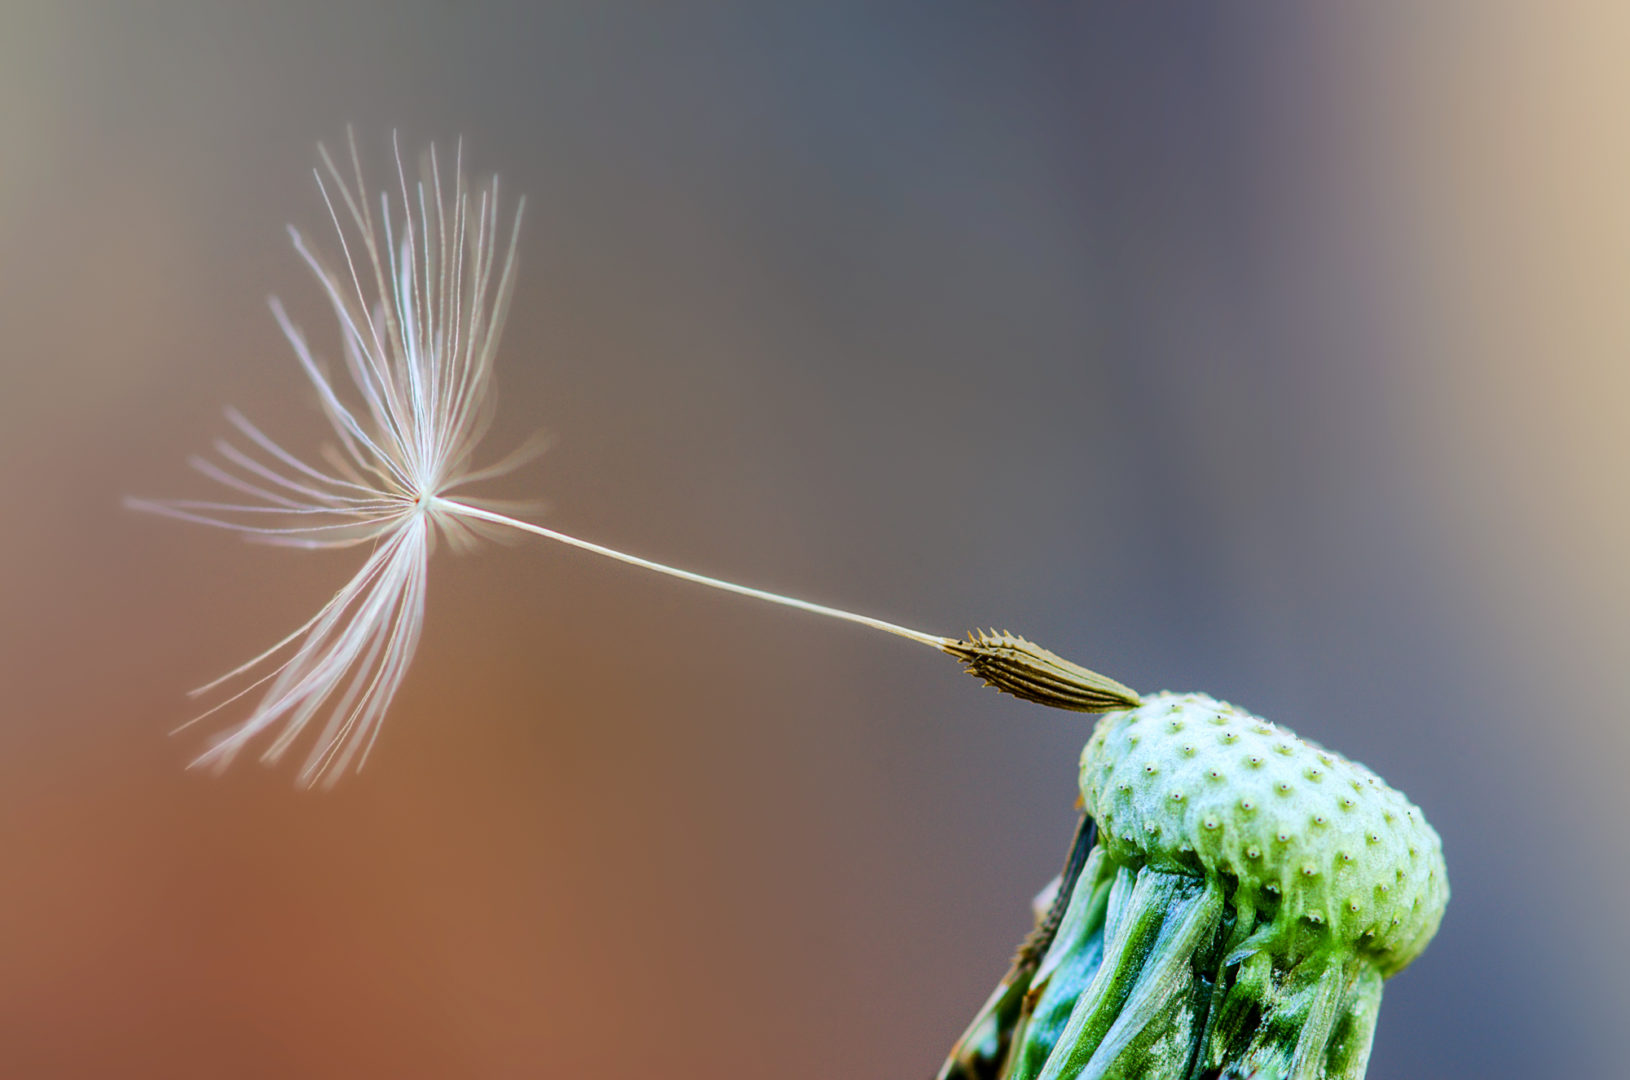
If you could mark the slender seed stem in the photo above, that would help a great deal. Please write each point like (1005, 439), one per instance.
(932, 640)
(1008, 662)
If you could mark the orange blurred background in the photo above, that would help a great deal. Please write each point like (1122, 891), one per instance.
(1284, 359)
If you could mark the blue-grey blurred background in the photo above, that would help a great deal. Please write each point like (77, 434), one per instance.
(1280, 357)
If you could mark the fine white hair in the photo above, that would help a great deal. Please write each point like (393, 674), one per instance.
(420, 293)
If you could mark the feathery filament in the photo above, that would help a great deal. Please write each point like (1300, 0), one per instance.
(420, 297)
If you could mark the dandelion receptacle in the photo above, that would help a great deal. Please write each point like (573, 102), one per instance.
(1234, 897)
(1234, 900)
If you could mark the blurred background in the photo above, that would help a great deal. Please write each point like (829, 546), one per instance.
(1280, 358)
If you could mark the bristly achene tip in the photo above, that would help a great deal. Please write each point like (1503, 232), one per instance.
(1024, 669)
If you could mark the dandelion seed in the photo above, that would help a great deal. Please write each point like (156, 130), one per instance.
(420, 292)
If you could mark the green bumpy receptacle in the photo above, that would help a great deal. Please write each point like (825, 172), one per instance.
(1248, 893)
